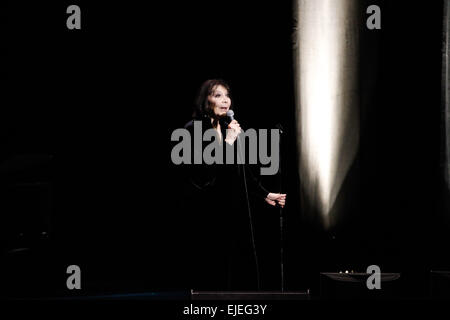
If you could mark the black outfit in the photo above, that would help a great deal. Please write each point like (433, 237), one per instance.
(221, 233)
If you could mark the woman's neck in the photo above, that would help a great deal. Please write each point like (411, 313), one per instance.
(216, 125)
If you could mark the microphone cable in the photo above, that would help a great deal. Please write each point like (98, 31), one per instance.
(249, 214)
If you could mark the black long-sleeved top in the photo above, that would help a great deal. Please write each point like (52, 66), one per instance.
(215, 195)
(206, 176)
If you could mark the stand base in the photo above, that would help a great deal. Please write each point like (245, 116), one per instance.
(249, 295)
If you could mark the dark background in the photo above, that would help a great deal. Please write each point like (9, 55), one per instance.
(86, 126)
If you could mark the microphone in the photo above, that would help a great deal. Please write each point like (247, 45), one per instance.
(230, 114)
(225, 121)
(230, 117)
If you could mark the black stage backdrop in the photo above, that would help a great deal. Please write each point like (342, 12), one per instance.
(103, 101)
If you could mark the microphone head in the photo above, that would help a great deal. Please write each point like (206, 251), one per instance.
(230, 114)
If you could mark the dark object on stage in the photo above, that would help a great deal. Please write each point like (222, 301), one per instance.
(354, 286)
(249, 295)
(440, 284)
(26, 186)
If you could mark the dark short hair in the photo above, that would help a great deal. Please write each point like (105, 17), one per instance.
(202, 107)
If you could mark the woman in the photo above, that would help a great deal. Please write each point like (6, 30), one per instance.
(219, 197)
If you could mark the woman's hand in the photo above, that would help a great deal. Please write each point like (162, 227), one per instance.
(276, 199)
(234, 129)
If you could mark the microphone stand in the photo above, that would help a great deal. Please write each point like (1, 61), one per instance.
(281, 215)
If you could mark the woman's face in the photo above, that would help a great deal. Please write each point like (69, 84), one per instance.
(220, 101)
